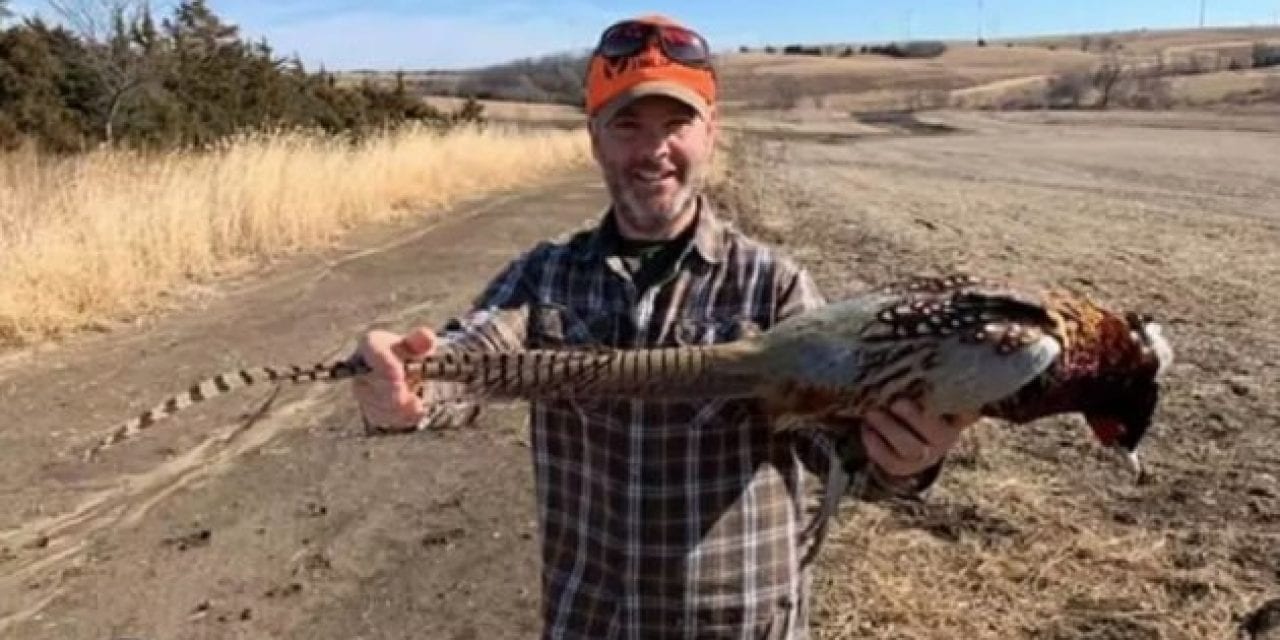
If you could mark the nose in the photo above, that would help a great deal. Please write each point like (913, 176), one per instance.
(653, 145)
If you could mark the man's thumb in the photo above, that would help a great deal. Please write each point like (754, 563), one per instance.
(416, 343)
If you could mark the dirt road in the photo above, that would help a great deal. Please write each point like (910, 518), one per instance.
(299, 526)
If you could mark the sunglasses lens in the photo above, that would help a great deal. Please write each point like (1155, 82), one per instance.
(684, 45)
(624, 40)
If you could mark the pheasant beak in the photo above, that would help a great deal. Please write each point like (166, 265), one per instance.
(1134, 463)
(1109, 432)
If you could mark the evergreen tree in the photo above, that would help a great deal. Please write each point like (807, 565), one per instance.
(191, 80)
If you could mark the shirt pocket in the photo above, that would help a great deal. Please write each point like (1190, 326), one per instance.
(713, 330)
(555, 326)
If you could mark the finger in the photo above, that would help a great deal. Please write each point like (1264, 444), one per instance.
(376, 347)
(908, 415)
(385, 405)
(385, 397)
(962, 421)
(905, 442)
(881, 452)
(409, 409)
(415, 344)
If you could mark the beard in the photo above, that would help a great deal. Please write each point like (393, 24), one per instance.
(647, 211)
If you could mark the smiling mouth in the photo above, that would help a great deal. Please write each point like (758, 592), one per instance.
(652, 177)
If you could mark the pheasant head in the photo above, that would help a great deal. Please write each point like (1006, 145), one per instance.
(1110, 370)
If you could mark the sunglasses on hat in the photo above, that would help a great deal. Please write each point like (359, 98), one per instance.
(629, 37)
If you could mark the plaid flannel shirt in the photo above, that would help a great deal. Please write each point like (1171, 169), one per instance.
(658, 519)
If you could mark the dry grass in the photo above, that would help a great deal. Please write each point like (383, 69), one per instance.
(1004, 549)
(111, 234)
(515, 111)
(1025, 90)
(1214, 88)
(1202, 89)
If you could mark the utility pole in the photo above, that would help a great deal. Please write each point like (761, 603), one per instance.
(1202, 13)
(979, 20)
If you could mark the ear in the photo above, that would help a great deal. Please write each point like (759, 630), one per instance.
(593, 131)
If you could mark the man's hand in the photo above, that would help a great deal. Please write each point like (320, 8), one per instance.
(384, 395)
(903, 441)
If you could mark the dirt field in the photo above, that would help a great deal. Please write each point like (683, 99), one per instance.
(1034, 533)
(298, 526)
(1153, 41)
(965, 73)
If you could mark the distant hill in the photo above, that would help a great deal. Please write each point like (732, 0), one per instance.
(850, 76)
(553, 79)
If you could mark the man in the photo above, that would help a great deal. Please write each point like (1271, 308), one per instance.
(657, 520)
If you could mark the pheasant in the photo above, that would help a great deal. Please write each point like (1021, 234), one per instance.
(956, 345)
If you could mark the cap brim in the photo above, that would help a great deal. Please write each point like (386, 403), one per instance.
(654, 88)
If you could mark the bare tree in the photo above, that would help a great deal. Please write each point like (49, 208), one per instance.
(93, 19)
(111, 30)
(1105, 78)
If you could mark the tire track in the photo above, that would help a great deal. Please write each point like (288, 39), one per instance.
(62, 540)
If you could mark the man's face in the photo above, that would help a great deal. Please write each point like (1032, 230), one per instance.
(655, 154)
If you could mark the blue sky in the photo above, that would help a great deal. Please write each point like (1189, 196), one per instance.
(389, 34)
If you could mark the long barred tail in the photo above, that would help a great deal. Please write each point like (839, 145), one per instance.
(724, 370)
(223, 384)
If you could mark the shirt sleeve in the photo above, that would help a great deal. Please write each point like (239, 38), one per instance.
(498, 317)
(497, 320)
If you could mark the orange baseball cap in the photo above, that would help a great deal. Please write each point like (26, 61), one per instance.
(674, 64)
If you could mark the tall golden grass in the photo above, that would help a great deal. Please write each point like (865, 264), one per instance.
(110, 233)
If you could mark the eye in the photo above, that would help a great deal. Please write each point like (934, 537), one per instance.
(679, 123)
(624, 124)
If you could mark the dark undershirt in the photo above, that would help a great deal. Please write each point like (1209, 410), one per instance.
(649, 262)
